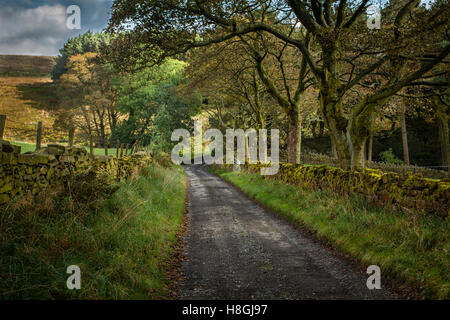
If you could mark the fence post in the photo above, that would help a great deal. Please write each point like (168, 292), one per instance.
(131, 149)
(126, 150)
(38, 135)
(105, 144)
(91, 146)
(117, 149)
(71, 136)
(2, 125)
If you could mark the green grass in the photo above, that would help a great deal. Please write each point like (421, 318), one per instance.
(123, 241)
(30, 147)
(411, 249)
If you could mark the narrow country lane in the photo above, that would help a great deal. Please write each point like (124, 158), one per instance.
(238, 250)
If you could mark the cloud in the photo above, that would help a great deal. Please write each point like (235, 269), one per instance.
(39, 27)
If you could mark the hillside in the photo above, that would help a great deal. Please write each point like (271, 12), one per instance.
(27, 95)
(25, 66)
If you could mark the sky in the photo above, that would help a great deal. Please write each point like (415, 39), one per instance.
(38, 27)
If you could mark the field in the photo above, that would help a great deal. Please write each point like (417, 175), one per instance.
(27, 95)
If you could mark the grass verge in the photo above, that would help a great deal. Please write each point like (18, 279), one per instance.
(122, 236)
(412, 250)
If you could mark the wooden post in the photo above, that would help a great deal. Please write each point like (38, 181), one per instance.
(91, 145)
(117, 149)
(71, 136)
(121, 150)
(105, 143)
(2, 125)
(38, 135)
(126, 149)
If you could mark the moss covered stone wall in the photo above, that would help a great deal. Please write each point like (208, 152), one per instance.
(407, 191)
(35, 172)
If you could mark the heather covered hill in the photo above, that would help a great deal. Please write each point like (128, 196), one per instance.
(27, 95)
(26, 66)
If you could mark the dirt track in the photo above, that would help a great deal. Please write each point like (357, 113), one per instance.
(238, 250)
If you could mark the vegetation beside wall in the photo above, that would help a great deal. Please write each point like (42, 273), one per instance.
(411, 249)
(121, 235)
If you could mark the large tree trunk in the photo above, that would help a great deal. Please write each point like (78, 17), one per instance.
(358, 131)
(350, 141)
(442, 120)
(370, 148)
(358, 154)
(333, 149)
(331, 108)
(444, 139)
(295, 137)
(341, 144)
(404, 137)
(349, 135)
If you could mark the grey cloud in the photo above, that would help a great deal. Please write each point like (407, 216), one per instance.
(39, 27)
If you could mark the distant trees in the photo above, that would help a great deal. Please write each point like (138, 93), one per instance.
(110, 104)
(151, 107)
(88, 93)
(84, 43)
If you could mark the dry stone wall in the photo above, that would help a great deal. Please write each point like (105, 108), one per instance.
(35, 172)
(408, 192)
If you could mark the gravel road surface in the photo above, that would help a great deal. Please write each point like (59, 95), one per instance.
(235, 249)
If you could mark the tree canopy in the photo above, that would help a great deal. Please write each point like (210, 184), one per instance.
(344, 54)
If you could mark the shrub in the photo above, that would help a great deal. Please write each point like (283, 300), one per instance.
(389, 157)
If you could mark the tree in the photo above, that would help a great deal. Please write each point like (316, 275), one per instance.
(341, 37)
(441, 105)
(285, 79)
(227, 79)
(84, 43)
(88, 92)
(151, 107)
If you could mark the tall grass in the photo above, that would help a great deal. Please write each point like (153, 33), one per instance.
(411, 249)
(122, 237)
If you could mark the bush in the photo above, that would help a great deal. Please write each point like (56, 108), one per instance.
(389, 157)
